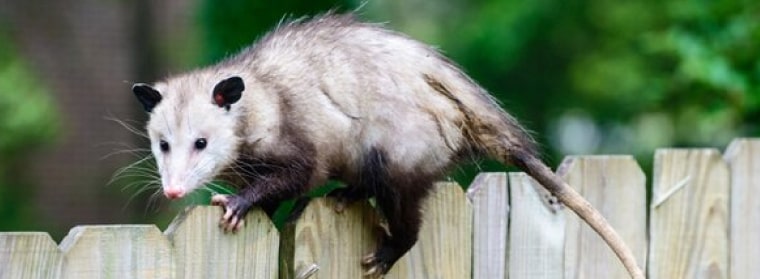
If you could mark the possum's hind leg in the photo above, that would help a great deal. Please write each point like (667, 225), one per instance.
(400, 203)
(399, 196)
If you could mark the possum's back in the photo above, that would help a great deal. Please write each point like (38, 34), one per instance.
(365, 82)
(340, 53)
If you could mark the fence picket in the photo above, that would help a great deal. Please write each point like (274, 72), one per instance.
(743, 156)
(536, 231)
(444, 248)
(616, 186)
(334, 242)
(29, 255)
(689, 215)
(490, 200)
(203, 250)
(117, 251)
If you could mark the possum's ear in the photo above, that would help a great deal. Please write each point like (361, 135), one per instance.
(228, 91)
(148, 96)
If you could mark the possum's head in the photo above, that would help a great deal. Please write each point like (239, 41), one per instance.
(192, 129)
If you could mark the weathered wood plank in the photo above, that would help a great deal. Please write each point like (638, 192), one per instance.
(334, 242)
(489, 196)
(743, 156)
(689, 215)
(616, 186)
(444, 248)
(536, 231)
(117, 251)
(29, 255)
(203, 250)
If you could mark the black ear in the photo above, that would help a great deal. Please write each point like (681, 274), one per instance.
(148, 96)
(228, 91)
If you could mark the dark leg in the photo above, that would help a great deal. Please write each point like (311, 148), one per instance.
(269, 182)
(399, 196)
(402, 209)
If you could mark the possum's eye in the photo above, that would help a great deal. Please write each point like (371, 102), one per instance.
(164, 146)
(200, 143)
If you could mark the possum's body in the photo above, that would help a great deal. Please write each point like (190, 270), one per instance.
(336, 98)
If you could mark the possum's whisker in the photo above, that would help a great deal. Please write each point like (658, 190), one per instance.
(122, 170)
(136, 152)
(243, 178)
(118, 144)
(140, 169)
(127, 126)
(141, 177)
(144, 183)
(241, 171)
(147, 187)
(194, 172)
(153, 200)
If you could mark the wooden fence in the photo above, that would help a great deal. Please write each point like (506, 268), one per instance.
(703, 222)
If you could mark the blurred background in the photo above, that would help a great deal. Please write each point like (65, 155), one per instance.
(587, 76)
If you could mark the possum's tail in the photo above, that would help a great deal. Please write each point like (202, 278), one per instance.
(492, 131)
(525, 159)
(539, 171)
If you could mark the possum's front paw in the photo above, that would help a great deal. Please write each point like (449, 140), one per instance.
(235, 208)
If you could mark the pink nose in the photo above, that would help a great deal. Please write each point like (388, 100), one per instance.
(174, 193)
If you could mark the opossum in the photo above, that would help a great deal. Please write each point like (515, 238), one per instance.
(332, 97)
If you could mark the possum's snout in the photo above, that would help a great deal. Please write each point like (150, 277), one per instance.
(173, 193)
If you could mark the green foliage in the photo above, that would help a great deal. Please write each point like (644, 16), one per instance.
(230, 25)
(600, 76)
(27, 121)
(691, 62)
(26, 115)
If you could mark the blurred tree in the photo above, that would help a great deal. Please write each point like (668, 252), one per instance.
(27, 122)
(230, 25)
(598, 76)
(689, 65)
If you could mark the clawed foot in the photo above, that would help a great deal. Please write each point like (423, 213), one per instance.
(378, 263)
(235, 209)
(375, 266)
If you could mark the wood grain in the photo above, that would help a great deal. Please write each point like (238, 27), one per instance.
(335, 242)
(203, 250)
(689, 215)
(444, 248)
(489, 196)
(117, 251)
(536, 231)
(743, 157)
(29, 255)
(616, 187)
